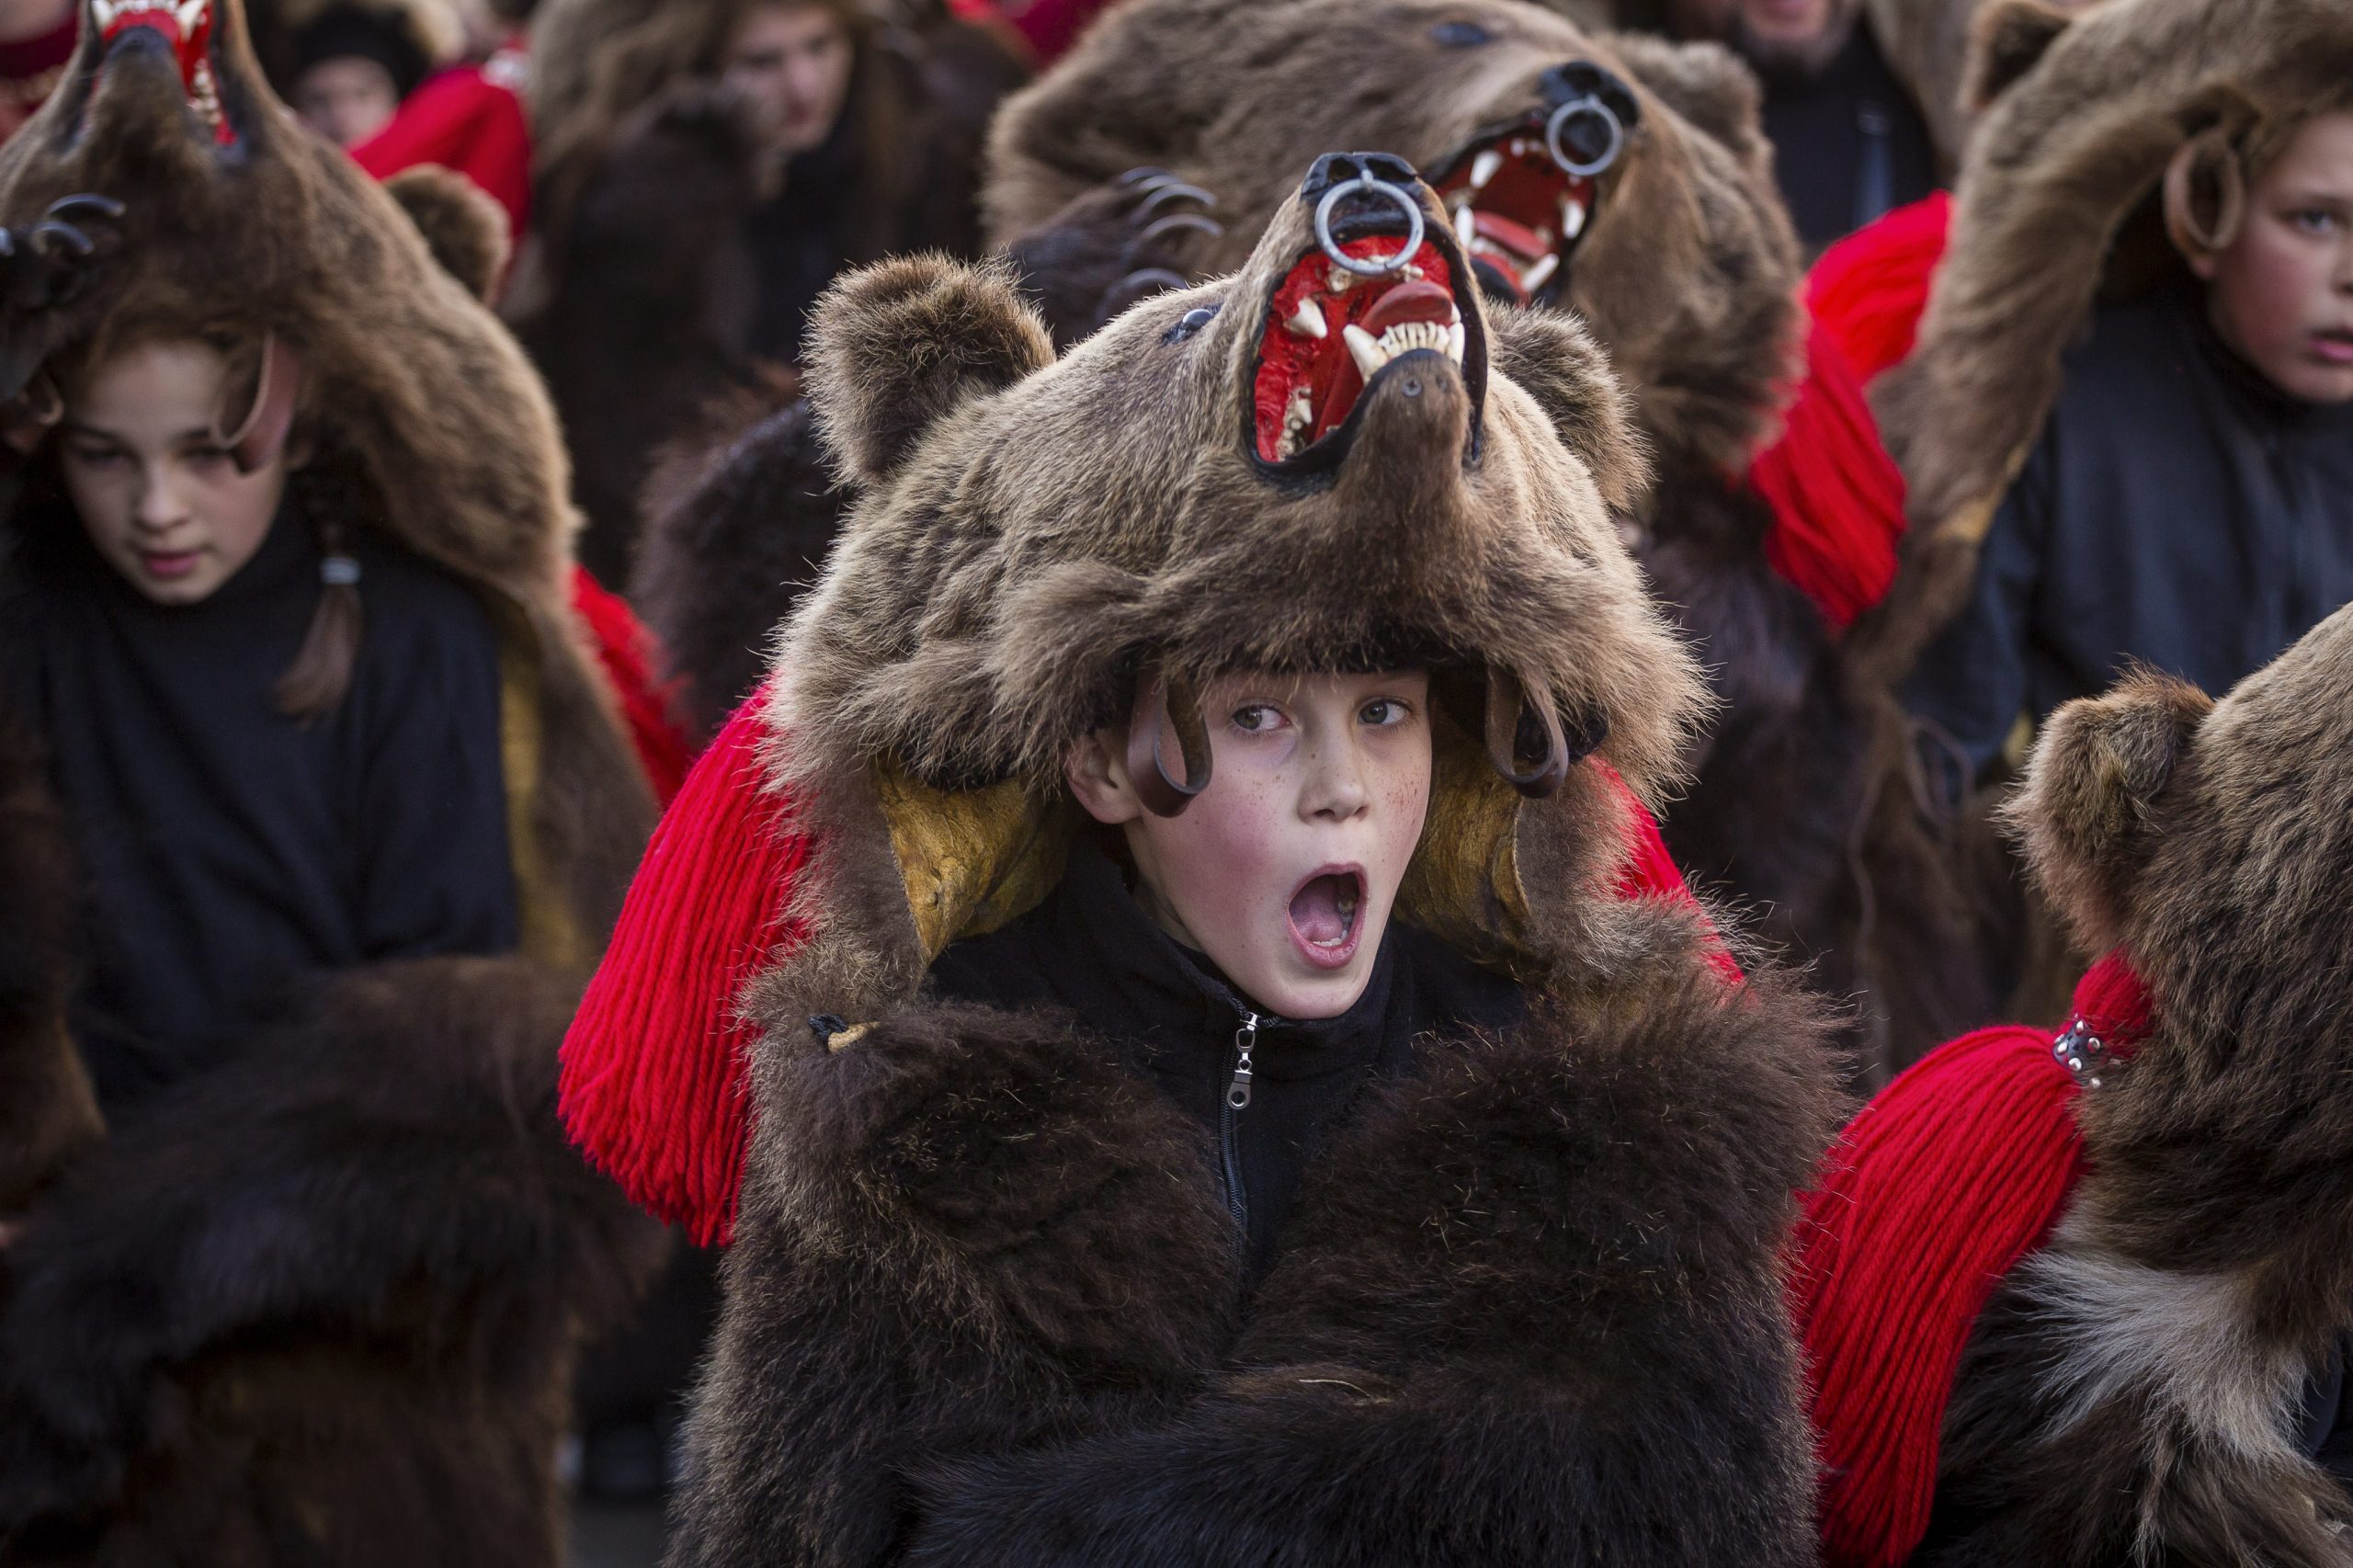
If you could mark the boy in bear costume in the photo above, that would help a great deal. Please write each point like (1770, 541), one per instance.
(1057, 1244)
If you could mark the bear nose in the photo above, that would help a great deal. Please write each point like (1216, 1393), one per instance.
(1339, 168)
(1574, 79)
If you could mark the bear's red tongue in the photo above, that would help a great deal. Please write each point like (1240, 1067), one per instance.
(1325, 909)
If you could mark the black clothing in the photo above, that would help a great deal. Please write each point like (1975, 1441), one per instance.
(1091, 948)
(802, 237)
(2178, 510)
(229, 849)
(1848, 142)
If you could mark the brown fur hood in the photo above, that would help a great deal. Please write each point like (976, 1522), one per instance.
(1032, 536)
(235, 216)
(1685, 268)
(2056, 206)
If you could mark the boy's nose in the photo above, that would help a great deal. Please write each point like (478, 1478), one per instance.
(1335, 784)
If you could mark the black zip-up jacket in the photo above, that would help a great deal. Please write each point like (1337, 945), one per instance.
(1092, 948)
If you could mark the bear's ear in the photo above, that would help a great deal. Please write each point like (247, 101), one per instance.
(2085, 813)
(464, 228)
(895, 347)
(2007, 39)
(1551, 357)
(1706, 84)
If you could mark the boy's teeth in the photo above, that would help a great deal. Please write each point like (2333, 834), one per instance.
(1483, 167)
(1306, 321)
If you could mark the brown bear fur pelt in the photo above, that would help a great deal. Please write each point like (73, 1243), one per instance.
(48, 1113)
(2133, 1392)
(319, 1304)
(1687, 272)
(734, 533)
(648, 172)
(984, 1304)
(1529, 1307)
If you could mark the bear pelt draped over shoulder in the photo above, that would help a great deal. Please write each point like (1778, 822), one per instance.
(985, 1303)
(2136, 1387)
(981, 1307)
(331, 1291)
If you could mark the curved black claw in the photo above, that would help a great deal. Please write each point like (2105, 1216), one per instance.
(43, 267)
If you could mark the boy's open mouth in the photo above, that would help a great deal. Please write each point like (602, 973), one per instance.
(1517, 211)
(1326, 915)
(1330, 333)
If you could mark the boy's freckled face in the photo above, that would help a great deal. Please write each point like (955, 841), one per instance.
(2281, 294)
(1285, 869)
(161, 499)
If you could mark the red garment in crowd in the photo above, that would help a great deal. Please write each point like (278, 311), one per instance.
(1048, 27)
(1936, 1190)
(625, 652)
(469, 119)
(30, 70)
(1838, 497)
(653, 1086)
(1869, 289)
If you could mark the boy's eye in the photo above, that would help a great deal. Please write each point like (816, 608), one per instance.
(1382, 711)
(95, 456)
(1257, 716)
(2313, 219)
(207, 455)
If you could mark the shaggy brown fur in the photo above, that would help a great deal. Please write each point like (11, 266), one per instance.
(1687, 275)
(2132, 1395)
(735, 532)
(320, 1306)
(983, 1305)
(1528, 1307)
(464, 228)
(47, 1112)
(647, 172)
(2043, 221)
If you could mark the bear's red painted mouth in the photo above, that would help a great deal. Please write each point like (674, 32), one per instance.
(187, 27)
(1329, 332)
(1519, 213)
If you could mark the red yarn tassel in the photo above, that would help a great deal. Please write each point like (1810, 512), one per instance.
(1838, 498)
(1938, 1188)
(1870, 289)
(653, 1086)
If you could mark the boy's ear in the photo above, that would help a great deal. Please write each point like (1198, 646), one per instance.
(1096, 769)
(2085, 813)
(1551, 357)
(2009, 37)
(895, 347)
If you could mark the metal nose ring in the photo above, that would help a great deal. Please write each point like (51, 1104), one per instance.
(1559, 123)
(1374, 266)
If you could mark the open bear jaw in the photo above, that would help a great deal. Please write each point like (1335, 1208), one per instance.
(1330, 335)
(188, 28)
(1518, 214)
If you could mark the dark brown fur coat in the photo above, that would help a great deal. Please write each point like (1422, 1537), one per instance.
(2132, 1392)
(983, 1302)
(319, 1305)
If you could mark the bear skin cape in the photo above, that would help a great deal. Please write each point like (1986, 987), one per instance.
(336, 1288)
(970, 1242)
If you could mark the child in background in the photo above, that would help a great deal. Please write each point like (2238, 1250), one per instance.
(275, 732)
(2189, 503)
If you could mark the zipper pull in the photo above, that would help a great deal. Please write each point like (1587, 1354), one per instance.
(1237, 1093)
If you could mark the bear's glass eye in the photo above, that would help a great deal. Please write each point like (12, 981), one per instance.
(1190, 322)
(1460, 35)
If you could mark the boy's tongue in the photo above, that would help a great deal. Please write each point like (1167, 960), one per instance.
(1316, 910)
